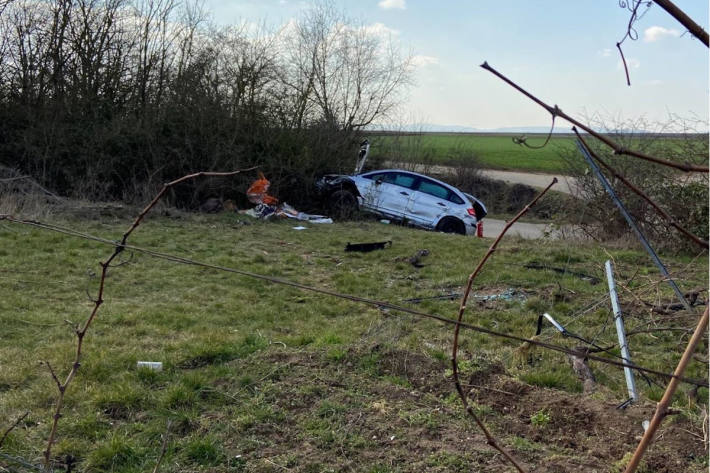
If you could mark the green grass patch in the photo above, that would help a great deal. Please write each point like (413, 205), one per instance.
(499, 151)
(254, 371)
(485, 150)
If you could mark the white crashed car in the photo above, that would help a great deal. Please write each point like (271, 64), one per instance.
(405, 196)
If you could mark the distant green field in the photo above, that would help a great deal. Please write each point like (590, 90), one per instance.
(494, 151)
(499, 151)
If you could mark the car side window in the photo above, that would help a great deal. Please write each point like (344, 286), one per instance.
(432, 188)
(400, 179)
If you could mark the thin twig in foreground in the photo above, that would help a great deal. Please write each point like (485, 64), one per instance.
(462, 308)
(694, 28)
(350, 297)
(9, 429)
(555, 111)
(662, 407)
(81, 332)
(164, 447)
(699, 241)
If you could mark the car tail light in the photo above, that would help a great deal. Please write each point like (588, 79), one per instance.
(471, 212)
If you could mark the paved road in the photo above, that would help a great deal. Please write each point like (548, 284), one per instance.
(565, 184)
(493, 227)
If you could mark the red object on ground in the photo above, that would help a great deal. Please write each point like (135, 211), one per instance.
(257, 192)
(479, 230)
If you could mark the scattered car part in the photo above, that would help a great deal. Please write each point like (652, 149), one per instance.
(415, 260)
(362, 156)
(367, 247)
(585, 277)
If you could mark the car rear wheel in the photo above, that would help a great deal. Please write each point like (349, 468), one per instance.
(343, 204)
(451, 225)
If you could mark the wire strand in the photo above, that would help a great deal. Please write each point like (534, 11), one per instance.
(350, 297)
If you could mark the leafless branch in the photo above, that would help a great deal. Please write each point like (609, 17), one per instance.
(462, 308)
(350, 297)
(695, 29)
(662, 407)
(81, 332)
(555, 111)
(658, 329)
(522, 140)
(696, 239)
(54, 375)
(631, 33)
(14, 424)
(164, 447)
(31, 181)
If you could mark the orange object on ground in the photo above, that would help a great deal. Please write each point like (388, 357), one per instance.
(257, 192)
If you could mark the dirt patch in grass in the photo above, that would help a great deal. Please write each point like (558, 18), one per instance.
(392, 410)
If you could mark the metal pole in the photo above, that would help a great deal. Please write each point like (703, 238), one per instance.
(628, 373)
(632, 224)
(556, 324)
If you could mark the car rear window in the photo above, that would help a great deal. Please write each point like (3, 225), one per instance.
(455, 199)
(437, 190)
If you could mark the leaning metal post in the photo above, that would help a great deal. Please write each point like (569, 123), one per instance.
(632, 223)
(628, 373)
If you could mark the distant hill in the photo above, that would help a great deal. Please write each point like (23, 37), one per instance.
(434, 128)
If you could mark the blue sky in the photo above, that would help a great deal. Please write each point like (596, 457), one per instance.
(560, 50)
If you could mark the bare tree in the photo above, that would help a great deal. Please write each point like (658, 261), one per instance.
(342, 73)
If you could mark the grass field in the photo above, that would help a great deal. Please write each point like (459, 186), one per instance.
(490, 151)
(499, 151)
(261, 377)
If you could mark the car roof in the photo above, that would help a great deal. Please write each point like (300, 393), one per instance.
(449, 186)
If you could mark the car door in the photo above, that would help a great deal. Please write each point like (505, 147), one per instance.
(429, 203)
(388, 192)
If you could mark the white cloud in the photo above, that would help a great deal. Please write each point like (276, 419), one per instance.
(657, 33)
(606, 52)
(392, 4)
(423, 61)
(379, 29)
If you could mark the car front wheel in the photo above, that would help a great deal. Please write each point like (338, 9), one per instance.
(343, 204)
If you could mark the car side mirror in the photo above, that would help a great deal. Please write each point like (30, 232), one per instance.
(378, 181)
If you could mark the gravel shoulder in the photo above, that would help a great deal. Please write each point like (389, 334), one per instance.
(566, 184)
(492, 228)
